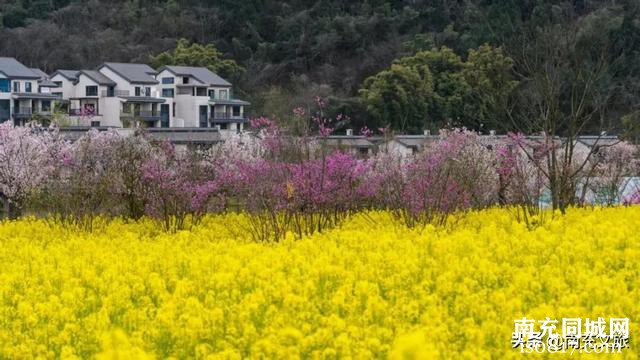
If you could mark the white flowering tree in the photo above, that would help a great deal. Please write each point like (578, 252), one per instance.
(27, 157)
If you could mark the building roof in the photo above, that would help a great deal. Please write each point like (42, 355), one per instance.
(201, 74)
(98, 77)
(133, 73)
(12, 68)
(40, 73)
(355, 141)
(47, 83)
(415, 141)
(604, 140)
(71, 75)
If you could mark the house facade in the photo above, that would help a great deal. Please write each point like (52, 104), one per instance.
(200, 98)
(135, 95)
(137, 90)
(20, 97)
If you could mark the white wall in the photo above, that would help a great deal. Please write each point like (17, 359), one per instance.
(173, 122)
(34, 85)
(111, 113)
(395, 147)
(68, 90)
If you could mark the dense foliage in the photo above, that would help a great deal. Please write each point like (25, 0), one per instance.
(294, 50)
(301, 185)
(369, 289)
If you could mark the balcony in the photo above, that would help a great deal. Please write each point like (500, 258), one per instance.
(22, 113)
(27, 113)
(225, 118)
(115, 93)
(142, 114)
(228, 100)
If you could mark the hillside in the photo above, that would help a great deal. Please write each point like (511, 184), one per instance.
(295, 50)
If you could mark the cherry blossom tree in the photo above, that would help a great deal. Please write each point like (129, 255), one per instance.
(28, 155)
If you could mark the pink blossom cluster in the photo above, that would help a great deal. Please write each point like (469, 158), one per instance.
(286, 184)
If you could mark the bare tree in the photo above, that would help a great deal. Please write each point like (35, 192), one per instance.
(566, 94)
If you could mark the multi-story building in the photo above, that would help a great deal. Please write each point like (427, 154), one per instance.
(137, 89)
(122, 95)
(21, 99)
(200, 98)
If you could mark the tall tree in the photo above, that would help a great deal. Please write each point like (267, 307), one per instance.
(489, 73)
(566, 92)
(192, 54)
(399, 97)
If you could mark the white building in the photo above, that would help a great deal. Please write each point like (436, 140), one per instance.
(20, 97)
(135, 95)
(200, 98)
(137, 90)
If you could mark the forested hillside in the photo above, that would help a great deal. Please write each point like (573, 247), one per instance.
(292, 51)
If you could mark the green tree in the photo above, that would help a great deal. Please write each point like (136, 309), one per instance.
(399, 97)
(447, 103)
(489, 73)
(193, 54)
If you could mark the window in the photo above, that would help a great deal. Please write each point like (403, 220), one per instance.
(46, 105)
(212, 94)
(16, 87)
(236, 111)
(58, 83)
(5, 85)
(167, 80)
(185, 80)
(91, 90)
(167, 92)
(147, 91)
(224, 95)
(137, 91)
(201, 91)
(111, 91)
(27, 87)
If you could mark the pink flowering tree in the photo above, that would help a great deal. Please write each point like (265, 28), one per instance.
(81, 186)
(453, 174)
(129, 186)
(521, 181)
(27, 157)
(322, 193)
(260, 188)
(181, 186)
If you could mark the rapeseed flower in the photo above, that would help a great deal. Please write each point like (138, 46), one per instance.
(366, 289)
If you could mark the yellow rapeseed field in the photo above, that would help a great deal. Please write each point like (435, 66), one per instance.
(370, 289)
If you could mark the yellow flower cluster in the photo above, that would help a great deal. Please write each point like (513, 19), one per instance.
(370, 289)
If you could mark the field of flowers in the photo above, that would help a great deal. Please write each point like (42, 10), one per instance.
(367, 289)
